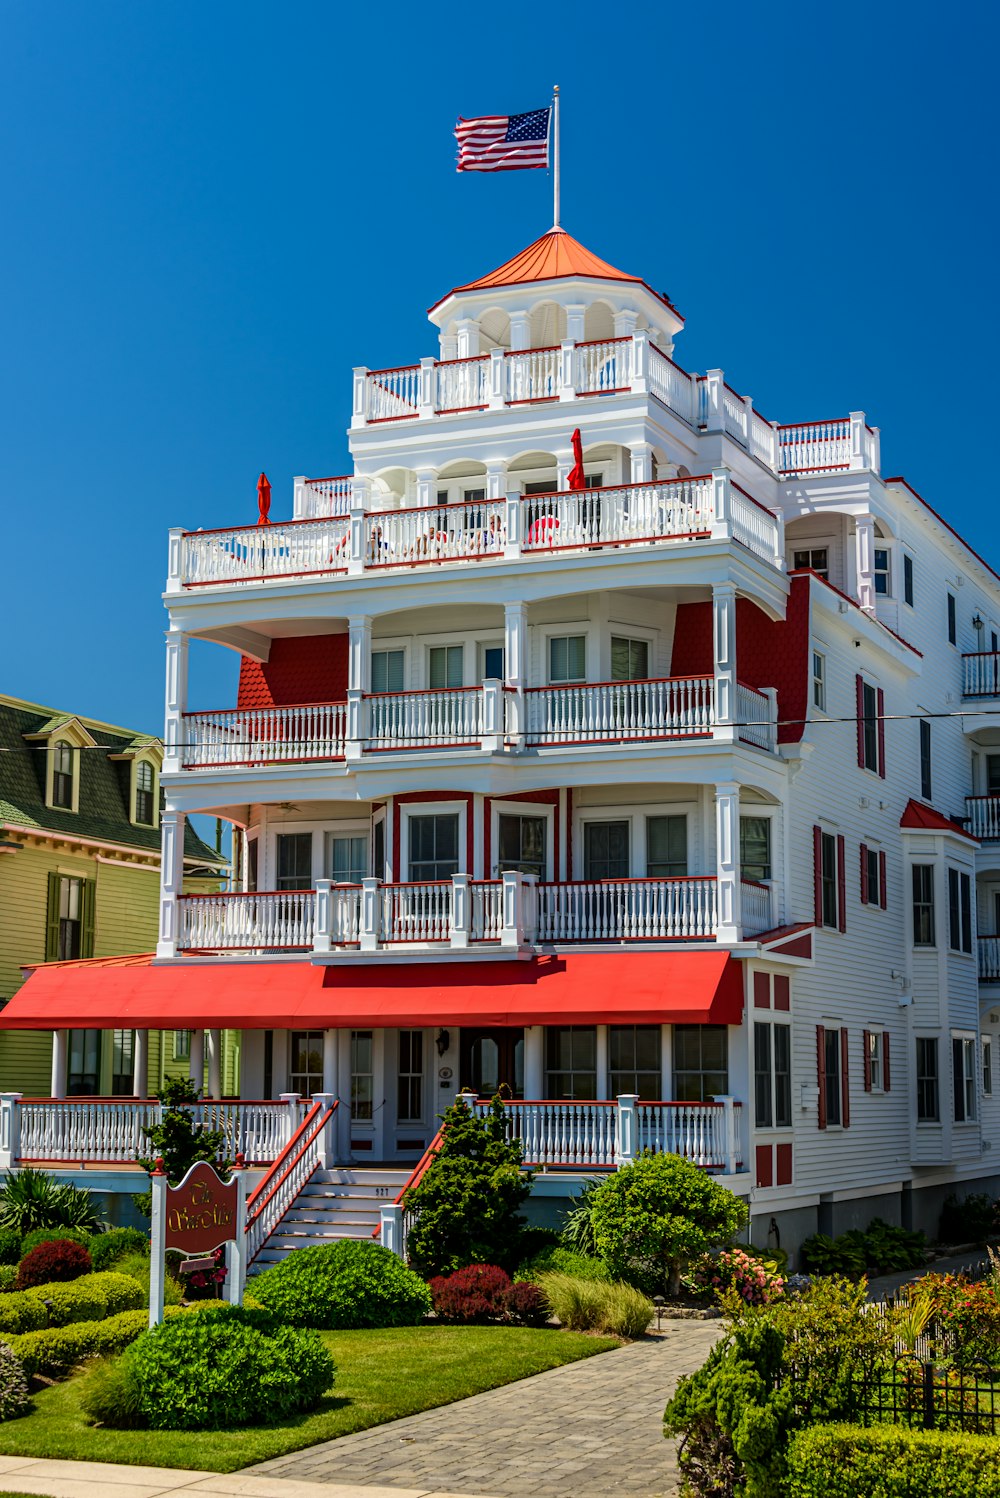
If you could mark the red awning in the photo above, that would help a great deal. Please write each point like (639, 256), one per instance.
(581, 988)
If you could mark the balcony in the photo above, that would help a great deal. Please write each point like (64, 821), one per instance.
(489, 717)
(517, 527)
(983, 817)
(981, 674)
(507, 914)
(988, 948)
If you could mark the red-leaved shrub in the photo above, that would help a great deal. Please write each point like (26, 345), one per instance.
(472, 1295)
(525, 1303)
(61, 1260)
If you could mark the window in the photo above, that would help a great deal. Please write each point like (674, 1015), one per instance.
(433, 847)
(772, 1075)
(819, 681)
(593, 481)
(567, 658)
(84, 1063)
(828, 880)
(925, 760)
(348, 860)
(831, 1065)
(959, 911)
(62, 776)
(817, 560)
(410, 1077)
(294, 860)
(445, 666)
(69, 928)
(123, 1063)
(701, 1062)
(474, 496)
(305, 1062)
(571, 1062)
(872, 876)
(908, 580)
(868, 726)
(928, 1106)
(634, 1061)
(963, 1056)
(755, 848)
(544, 486)
(378, 848)
(629, 660)
(987, 1066)
(493, 663)
(387, 670)
(182, 1045)
(993, 774)
(923, 905)
(952, 621)
(882, 570)
(522, 844)
(606, 850)
(145, 805)
(874, 1073)
(362, 1075)
(666, 847)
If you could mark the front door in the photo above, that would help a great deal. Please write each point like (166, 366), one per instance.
(493, 1060)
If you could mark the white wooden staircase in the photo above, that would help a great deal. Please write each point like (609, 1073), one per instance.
(342, 1201)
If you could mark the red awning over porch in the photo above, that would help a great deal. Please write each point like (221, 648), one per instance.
(578, 988)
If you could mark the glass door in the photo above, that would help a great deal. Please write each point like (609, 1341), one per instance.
(493, 1060)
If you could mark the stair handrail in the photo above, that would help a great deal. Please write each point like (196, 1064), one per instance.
(274, 1190)
(416, 1175)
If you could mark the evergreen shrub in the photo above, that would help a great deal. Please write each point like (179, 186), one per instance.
(49, 1262)
(845, 1461)
(92, 1297)
(13, 1385)
(10, 1246)
(8, 1277)
(52, 1352)
(566, 1261)
(525, 1304)
(106, 1248)
(54, 1235)
(344, 1285)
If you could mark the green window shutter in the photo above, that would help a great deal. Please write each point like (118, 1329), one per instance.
(52, 920)
(88, 891)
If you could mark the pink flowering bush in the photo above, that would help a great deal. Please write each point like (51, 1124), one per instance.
(734, 1269)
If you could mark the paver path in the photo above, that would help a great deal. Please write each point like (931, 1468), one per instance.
(581, 1431)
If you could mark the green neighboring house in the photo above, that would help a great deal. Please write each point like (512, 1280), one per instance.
(79, 877)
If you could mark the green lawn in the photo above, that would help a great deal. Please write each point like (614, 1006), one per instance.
(381, 1375)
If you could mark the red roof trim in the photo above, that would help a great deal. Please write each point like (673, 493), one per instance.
(918, 817)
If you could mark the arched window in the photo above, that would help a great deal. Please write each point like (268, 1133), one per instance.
(62, 776)
(144, 793)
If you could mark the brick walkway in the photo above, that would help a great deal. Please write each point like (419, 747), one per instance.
(585, 1430)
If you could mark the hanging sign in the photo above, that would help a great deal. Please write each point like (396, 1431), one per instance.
(200, 1212)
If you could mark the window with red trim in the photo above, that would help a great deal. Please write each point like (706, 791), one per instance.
(875, 1046)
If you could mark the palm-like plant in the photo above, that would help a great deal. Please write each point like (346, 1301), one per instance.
(31, 1199)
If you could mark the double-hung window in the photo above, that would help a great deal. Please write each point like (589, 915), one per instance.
(634, 1061)
(755, 848)
(873, 876)
(701, 1062)
(629, 659)
(829, 877)
(445, 666)
(305, 1062)
(908, 579)
(928, 1097)
(963, 1053)
(433, 847)
(831, 1065)
(875, 1057)
(62, 776)
(144, 802)
(567, 659)
(410, 1077)
(387, 670)
(294, 860)
(816, 559)
(605, 850)
(882, 570)
(666, 847)
(952, 620)
(869, 727)
(959, 911)
(522, 844)
(987, 1066)
(571, 1062)
(923, 905)
(926, 784)
(772, 1051)
(348, 859)
(819, 680)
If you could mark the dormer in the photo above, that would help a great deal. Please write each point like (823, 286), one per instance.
(143, 759)
(63, 738)
(553, 291)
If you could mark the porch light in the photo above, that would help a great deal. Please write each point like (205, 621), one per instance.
(977, 622)
(442, 1041)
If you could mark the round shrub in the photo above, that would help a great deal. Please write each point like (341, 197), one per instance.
(52, 1235)
(213, 1371)
(10, 1246)
(525, 1304)
(62, 1260)
(13, 1386)
(473, 1295)
(345, 1285)
(565, 1261)
(107, 1248)
(21, 1313)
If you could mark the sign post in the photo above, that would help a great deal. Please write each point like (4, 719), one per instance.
(201, 1213)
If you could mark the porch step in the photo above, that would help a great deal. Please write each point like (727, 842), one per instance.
(342, 1202)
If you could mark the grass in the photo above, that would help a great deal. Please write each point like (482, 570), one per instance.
(381, 1375)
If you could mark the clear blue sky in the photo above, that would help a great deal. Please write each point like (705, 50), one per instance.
(211, 211)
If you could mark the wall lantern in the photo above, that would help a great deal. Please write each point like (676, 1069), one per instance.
(442, 1041)
(977, 622)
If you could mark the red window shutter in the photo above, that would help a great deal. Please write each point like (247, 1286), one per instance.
(818, 875)
(782, 992)
(885, 1061)
(841, 884)
(881, 880)
(864, 873)
(783, 1161)
(859, 689)
(762, 990)
(765, 1166)
(821, 1074)
(845, 1091)
(866, 1036)
(881, 733)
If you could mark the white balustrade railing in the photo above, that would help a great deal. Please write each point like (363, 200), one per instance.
(562, 1133)
(814, 445)
(309, 1147)
(324, 497)
(435, 533)
(276, 920)
(753, 525)
(109, 1130)
(393, 393)
(415, 912)
(700, 1132)
(293, 548)
(734, 415)
(671, 384)
(983, 817)
(763, 440)
(531, 375)
(755, 900)
(981, 674)
(675, 707)
(486, 910)
(425, 720)
(617, 515)
(755, 714)
(628, 910)
(264, 736)
(604, 366)
(463, 384)
(989, 958)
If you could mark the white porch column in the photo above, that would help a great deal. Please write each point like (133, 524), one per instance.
(460, 912)
(60, 1062)
(625, 322)
(496, 480)
(172, 824)
(534, 1062)
(359, 681)
(864, 537)
(710, 412)
(858, 444)
(215, 1063)
(513, 514)
(515, 645)
(176, 699)
(467, 334)
(512, 908)
(642, 462)
(368, 935)
(140, 1064)
(330, 1061)
(727, 860)
(426, 487)
(361, 499)
(724, 660)
(564, 463)
(10, 1129)
(175, 559)
(575, 316)
(359, 411)
(196, 1061)
(520, 330)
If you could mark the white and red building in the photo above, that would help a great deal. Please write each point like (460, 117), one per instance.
(683, 787)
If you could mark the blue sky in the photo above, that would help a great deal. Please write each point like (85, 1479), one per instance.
(212, 211)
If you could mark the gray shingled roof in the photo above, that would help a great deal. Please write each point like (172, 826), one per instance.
(104, 784)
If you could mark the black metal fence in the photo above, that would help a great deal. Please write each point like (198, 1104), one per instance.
(927, 1395)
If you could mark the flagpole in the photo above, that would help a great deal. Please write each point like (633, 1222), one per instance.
(555, 156)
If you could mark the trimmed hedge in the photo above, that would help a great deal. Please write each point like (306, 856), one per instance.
(843, 1461)
(8, 1277)
(90, 1298)
(54, 1351)
(340, 1286)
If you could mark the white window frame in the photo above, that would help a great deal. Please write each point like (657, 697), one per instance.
(773, 1019)
(481, 644)
(357, 828)
(970, 1077)
(635, 815)
(836, 1027)
(885, 571)
(272, 832)
(379, 646)
(819, 680)
(522, 809)
(623, 629)
(144, 758)
(425, 1074)
(986, 1059)
(908, 556)
(410, 809)
(570, 630)
(829, 544)
(876, 1058)
(381, 815)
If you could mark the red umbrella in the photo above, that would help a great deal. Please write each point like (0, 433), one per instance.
(576, 475)
(263, 499)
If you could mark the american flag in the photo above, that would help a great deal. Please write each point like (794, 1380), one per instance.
(503, 142)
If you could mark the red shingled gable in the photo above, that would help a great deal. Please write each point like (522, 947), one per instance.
(917, 815)
(309, 668)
